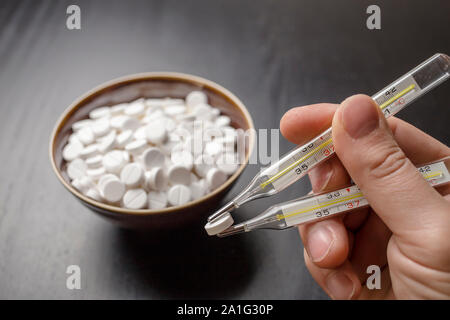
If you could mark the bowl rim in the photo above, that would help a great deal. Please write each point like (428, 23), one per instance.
(162, 75)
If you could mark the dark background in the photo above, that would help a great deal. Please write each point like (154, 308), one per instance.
(272, 54)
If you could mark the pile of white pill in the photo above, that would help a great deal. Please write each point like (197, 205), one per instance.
(151, 153)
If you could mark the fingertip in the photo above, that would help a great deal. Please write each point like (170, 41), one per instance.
(300, 124)
(326, 242)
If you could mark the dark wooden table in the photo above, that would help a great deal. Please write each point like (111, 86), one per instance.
(271, 54)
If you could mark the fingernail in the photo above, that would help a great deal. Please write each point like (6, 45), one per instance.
(320, 176)
(340, 286)
(320, 241)
(359, 116)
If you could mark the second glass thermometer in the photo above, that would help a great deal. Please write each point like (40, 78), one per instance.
(298, 162)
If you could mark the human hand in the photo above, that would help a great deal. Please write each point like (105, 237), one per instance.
(405, 230)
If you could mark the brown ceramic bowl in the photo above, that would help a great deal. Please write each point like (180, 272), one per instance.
(150, 85)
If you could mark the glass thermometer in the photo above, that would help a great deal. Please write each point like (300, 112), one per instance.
(321, 206)
(298, 162)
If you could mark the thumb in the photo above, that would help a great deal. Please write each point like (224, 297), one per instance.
(390, 182)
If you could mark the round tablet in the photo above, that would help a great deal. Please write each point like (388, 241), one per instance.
(157, 200)
(89, 151)
(183, 158)
(81, 124)
(213, 148)
(196, 97)
(95, 173)
(106, 177)
(86, 135)
(100, 127)
(135, 199)
(136, 147)
(101, 112)
(76, 169)
(227, 162)
(124, 138)
(93, 194)
(152, 158)
(132, 175)
(179, 175)
(114, 161)
(215, 178)
(94, 162)
(156, 132)
(198, 190)
(179, 195)
(72, 150)
(128, 123)
(155, 179)
(202, 164)
(222, 121)
(118, 108)
(135, 108)
(108, 142)
(112, 190)
(220, 224)
(140, 133)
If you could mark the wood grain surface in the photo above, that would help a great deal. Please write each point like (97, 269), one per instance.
(272, 54)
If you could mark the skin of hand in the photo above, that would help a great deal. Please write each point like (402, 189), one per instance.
(405, 229)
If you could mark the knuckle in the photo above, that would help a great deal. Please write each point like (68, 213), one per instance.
(388, 163)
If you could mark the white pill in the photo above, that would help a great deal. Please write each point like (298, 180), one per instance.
(136, 147)
(174, 110)
(153, 157)
(77, 185)
(169, 123)
(94, 194)
(198, 190)
(94, 162)
(154, 103)
(87, 182)
(124, 138)
(157, 200)
(228, 142)
(101, 112)
(76, 169)
(215, 178)
(132, 175)
(203, 112)
(81, 124)
(213, 148)
(156, 132)
(135, 199)
(155, 179)
(95, 173)
(219, 225)
(153, 115)
(227, 162)
(106, 177)
(118, 109)
(108, 142)
(222, 121)
(72, 150)
(179, 175)
(135, 108)
(86, 135)
(140, 133)
(203, 164)
(112, 190)
(100, 127)
(196, 97)
(179, 195)
(116, 121)
(114, 161)
(128, 123)
(89, 151)
(183, 158)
